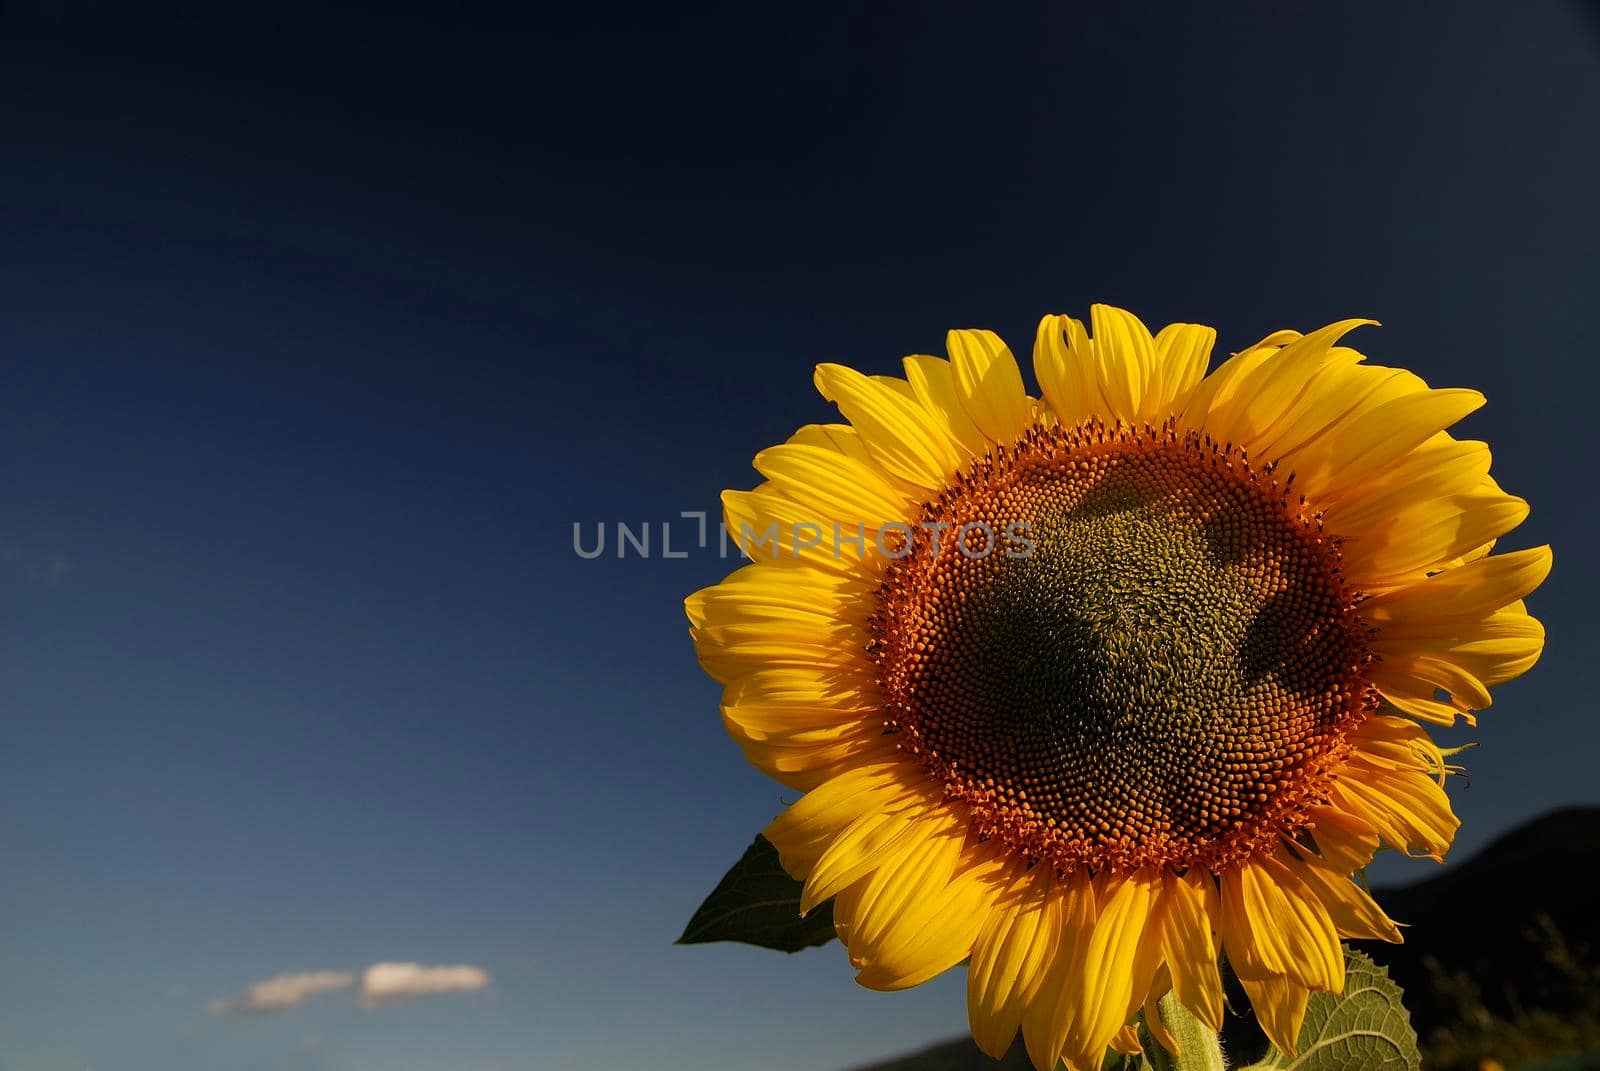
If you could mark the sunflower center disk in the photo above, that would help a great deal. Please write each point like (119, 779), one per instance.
(1165, 677)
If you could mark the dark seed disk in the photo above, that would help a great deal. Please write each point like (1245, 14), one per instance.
(1166, 678)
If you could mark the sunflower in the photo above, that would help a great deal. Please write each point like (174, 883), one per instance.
(1091, 689)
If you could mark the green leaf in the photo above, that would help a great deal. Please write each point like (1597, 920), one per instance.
(758, 903)
(1365, 1028)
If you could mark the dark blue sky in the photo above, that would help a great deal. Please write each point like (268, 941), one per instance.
(319, 331)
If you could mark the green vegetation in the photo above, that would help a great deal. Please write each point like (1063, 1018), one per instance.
(1555, 1026)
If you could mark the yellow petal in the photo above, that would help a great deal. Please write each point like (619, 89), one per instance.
(940, 926)
(989, 384)
(1182, 352)
(804, 735)
(1420, 537)
(900, 435)
(832, 487)
(1396, 744)
(764, 616)
(1188, 946)
(1066, 373)
(757, 720)
(1400, 673)
(1463, 661)
(1473, 590)
(1428, 710)
(768, 526)
(804, 765)
(802, 759)
(749, 635)
(805, 703)
(1126, 359)
(926, 861)
(1119, 963)
(1273, 925)
(1417, 802)
(862, 847)
(789, 690)
(1376, 438)
(1008, 960)
(843, 439)
(1217, 395)
(933, 382)
(1345, 841)
(1410, 811)
(1276, 396)
(1152, 1015)
(804, 831)
(1047, 1020)
(761, 592)
(1439, 467)
(1280, 1005)
(1344, 389)
(1354, 913)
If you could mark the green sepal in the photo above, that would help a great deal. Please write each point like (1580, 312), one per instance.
(758, 903)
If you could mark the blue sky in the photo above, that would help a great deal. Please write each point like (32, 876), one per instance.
(320, 331)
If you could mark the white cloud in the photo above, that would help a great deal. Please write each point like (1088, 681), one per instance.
(385, 982)
(283, 991)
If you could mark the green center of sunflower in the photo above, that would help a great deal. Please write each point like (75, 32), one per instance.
(1163, 677)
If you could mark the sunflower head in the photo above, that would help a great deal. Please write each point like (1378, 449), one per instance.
(1090, 688)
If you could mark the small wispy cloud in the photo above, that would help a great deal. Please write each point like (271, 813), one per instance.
(381, 983)
(384, 983)
(282, 991)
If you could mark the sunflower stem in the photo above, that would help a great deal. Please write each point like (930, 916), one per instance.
(1198, 1046)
